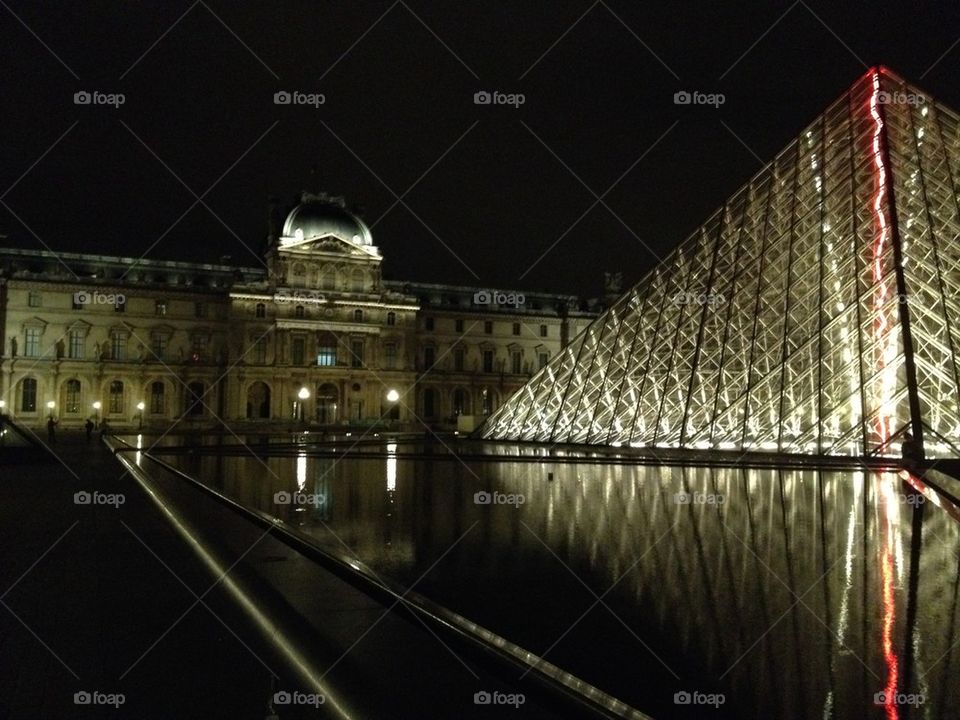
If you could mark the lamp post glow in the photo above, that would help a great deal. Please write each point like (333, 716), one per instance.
(96, 406)
(392, 396)
(304, 395)
(141, 406)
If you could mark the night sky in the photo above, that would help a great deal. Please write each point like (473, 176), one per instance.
(399, 80)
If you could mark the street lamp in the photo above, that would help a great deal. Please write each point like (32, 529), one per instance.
(304, 394)
(50, 406)
(140, 407)
(392, 396)
(96, 406)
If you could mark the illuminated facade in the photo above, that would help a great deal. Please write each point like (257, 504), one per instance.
(315, 336)
(816, 312)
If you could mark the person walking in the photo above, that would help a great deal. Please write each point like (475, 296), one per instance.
(89, 428)
(52, 431)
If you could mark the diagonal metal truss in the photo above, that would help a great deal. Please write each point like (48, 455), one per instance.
(816, 312)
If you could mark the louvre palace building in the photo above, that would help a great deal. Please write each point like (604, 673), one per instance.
(313, 337)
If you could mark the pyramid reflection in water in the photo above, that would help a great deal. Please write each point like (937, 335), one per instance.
(816, 312)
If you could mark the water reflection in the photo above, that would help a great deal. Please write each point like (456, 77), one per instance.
(796, 593)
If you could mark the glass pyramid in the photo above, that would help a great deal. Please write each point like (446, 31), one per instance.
(816, 312)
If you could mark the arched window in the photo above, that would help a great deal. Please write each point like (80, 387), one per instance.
(158, 401)
(28, 395)
(298, 271)
(261, 311)
(358, 315)
(71, 398)
(298, 311)
(258, 401)
(195, 398)
(328, 279)
(358, 281)
(391, 318)
(116, 397)
(460, 402)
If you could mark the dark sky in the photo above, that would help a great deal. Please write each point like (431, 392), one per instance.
(399, 82)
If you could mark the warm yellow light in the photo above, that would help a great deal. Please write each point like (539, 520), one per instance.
(51, 405)
(304, 394)
(97, 405)
(141, 406)
(393, 395)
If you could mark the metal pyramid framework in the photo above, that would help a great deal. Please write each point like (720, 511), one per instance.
(816, 312)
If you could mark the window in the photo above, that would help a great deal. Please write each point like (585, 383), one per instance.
(390, 356)
(121, 304)
(160, 308)
(486, 402)
(260, 351)
(459, 401)
(328, 279)
(428, 323)
(118, 346)
(31, 345)
(327, 355)
(34, 299)
(28, 395)
(200, 310)
(72, 397)
(357, 281)
(516, 362)
(159, 342)
(543, 359)
(297, 351)
(200, 341)
(516, 328)
(488, 327)
(298, 311)
(75, 351)
(459, 356)
(356, 353)
(488, 360)
(260, 311)
(429, 358)
(195, 398)
(391, 318)
(543, 331)
(158, 401)
(458, 325)
(116, 397)
(358, 315)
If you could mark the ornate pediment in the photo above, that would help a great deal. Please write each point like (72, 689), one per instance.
(329, 245)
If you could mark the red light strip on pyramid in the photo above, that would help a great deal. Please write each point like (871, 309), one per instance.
(888, 352)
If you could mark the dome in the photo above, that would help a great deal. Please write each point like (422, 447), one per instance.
(320, 216)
